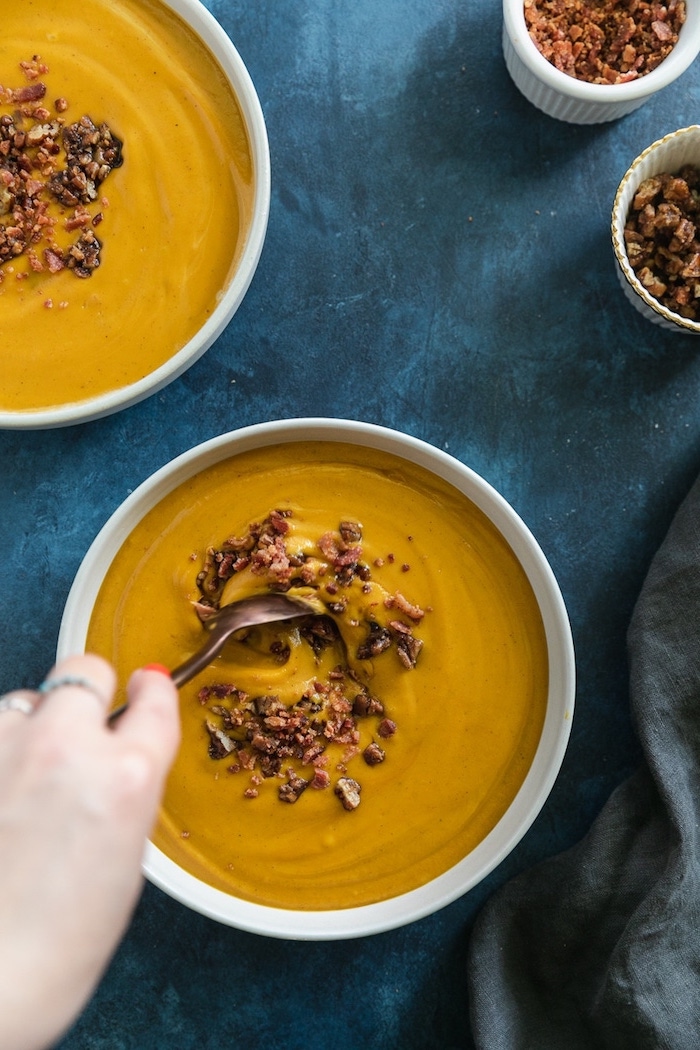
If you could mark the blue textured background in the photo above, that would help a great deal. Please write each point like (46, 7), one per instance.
(438, 260)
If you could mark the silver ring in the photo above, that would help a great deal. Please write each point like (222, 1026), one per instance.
(16, 702)
(70, 679)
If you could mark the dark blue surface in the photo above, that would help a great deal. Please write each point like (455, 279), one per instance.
(438, 260)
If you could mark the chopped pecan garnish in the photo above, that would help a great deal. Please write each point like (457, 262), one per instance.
(320, 632)
(366, 704)
(91, 154)
(373, 754)
(84, 256)
(220, 744)
(294, 787)
(408, 648)
(662, 238)
(348, 791)
(378, 641)
(350, 531)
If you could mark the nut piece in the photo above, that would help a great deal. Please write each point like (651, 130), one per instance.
(91, 154)
(348, 791)
(373, 754)
(294, 787)
(662, 239)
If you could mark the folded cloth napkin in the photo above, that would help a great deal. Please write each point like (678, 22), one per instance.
(599, 948)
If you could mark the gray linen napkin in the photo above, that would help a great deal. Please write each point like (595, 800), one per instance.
(599, 947)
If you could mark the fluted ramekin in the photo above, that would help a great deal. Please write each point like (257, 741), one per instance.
(666, 155)
(576, 101)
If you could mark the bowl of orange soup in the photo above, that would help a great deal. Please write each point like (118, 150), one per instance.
(355, 769)
(134, 199)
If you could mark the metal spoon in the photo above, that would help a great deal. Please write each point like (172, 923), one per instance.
(259, 608)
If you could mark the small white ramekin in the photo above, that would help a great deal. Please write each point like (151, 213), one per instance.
(668, 154)
(576, 101)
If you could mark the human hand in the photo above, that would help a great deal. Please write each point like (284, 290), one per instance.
(77, 802)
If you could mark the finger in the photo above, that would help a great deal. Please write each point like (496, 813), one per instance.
(15, 706)
(79, 688)
(152, 718)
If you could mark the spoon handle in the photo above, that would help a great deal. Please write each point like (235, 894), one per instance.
(186, 670)
(199, 660)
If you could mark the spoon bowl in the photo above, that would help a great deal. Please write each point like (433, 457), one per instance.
(268, 607)
(248, 612)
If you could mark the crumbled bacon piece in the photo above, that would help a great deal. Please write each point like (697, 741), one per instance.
(321, 780)
(54, 260)
(386, 728)
(34, 69)
(34, 261)
(29, 93)
(80, 218)
(414, 612)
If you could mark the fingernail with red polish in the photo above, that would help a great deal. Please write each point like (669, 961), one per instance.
(160, 668)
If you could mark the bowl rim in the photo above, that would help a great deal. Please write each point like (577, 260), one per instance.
(675, 63)
(215, 38)
(467, 873)
(617, 226)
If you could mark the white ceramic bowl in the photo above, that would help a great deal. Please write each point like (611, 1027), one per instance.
(373, 918)
(205, 26)
(576, 101)
(666, 155)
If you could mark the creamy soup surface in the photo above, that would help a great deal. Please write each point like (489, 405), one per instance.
(173, 218)
(467, 711)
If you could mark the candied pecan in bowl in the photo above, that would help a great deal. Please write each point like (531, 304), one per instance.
(662, 239)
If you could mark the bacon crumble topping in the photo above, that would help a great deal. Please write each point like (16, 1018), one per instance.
(34, 182)
(261, 735)
(605, 41)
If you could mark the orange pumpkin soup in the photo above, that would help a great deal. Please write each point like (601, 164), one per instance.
(171, 218)
(429, 614)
